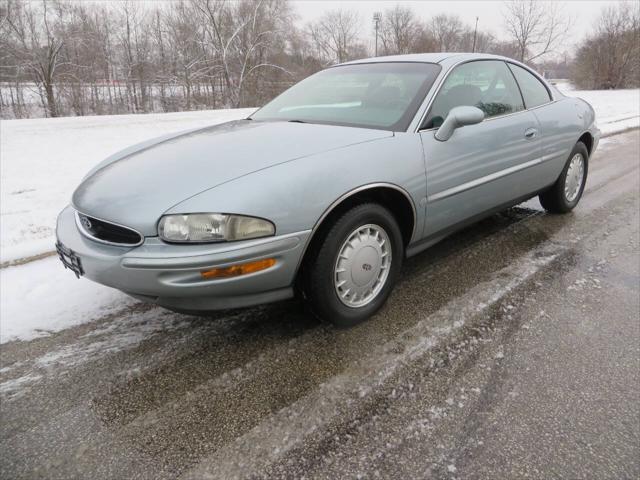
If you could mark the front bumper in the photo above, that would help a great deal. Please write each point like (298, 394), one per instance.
(169, 275)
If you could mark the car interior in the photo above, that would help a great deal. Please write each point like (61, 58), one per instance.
(487, 87)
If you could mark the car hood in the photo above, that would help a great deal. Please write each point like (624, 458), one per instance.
(134, 188)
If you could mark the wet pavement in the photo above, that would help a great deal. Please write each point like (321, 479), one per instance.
(510, 350)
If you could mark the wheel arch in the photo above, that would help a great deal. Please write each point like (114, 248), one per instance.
(389, 195)
(587, 139)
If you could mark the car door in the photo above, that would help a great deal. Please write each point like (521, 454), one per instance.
(557, 128)
(481, 166)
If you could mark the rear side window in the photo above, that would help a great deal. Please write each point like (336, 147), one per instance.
(486, 84)
(533, 91)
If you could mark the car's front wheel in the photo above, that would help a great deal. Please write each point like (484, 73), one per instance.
(355, 265)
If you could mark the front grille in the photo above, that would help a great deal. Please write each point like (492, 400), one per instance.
(107, 232)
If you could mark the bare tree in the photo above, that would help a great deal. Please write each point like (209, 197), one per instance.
(425, 40)
(135, 39)
(182, 39)
(240, 37)
(610, 58)
(446, 31)
(260, 28)
(335, 35)
(36, 46)
(65, 57)
(537, 28)
(504, 48)
(484, 42)
(399, 30)
(162, 74)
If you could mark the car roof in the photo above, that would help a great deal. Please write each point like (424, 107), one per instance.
(426, 57)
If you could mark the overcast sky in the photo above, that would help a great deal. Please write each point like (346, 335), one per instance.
(489, 12)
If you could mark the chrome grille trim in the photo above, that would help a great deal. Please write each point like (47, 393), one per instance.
(87, 234)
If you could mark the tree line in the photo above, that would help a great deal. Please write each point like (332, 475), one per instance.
(62, 57)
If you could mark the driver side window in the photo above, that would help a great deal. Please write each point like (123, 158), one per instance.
(486, 84)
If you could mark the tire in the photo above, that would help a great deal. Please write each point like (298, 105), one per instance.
(366, 256)
(563, 196)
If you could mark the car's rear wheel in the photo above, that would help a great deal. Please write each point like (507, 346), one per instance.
(565, 194)
(355, 265)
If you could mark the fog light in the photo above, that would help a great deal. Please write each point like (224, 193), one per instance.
(237, 270)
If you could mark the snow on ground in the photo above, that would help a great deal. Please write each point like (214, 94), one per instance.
(42, 161)
(42, 297)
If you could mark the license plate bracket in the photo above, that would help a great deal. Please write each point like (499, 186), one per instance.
(69, 259)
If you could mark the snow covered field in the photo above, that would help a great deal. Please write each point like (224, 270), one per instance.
(42, 297)
(42, 161)
(617, 110)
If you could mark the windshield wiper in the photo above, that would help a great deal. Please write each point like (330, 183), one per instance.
(296, 121)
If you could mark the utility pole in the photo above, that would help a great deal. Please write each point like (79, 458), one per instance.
(475, 34)
(377, 16)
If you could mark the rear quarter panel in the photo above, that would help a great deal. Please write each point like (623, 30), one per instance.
(562, 122)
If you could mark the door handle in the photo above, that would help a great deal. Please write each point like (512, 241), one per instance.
(530, 133)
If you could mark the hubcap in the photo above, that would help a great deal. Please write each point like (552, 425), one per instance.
(362, 266)
(575, 176)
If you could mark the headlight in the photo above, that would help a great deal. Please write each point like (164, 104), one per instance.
(212, 227)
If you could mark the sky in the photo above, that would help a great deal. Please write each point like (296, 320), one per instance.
(583, 12)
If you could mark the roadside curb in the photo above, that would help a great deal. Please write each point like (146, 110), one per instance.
(612, 134)
(22, 261)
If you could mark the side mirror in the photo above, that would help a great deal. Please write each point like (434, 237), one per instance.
(458, 117)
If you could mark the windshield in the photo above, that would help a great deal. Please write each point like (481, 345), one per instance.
(385, 96)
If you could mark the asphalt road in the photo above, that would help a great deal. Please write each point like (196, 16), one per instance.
(510, 350)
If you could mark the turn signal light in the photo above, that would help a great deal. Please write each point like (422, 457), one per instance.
(237, 270)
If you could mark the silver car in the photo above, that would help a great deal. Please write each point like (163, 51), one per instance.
(329, 187)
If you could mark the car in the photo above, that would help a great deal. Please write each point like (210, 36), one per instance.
(328, 188)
